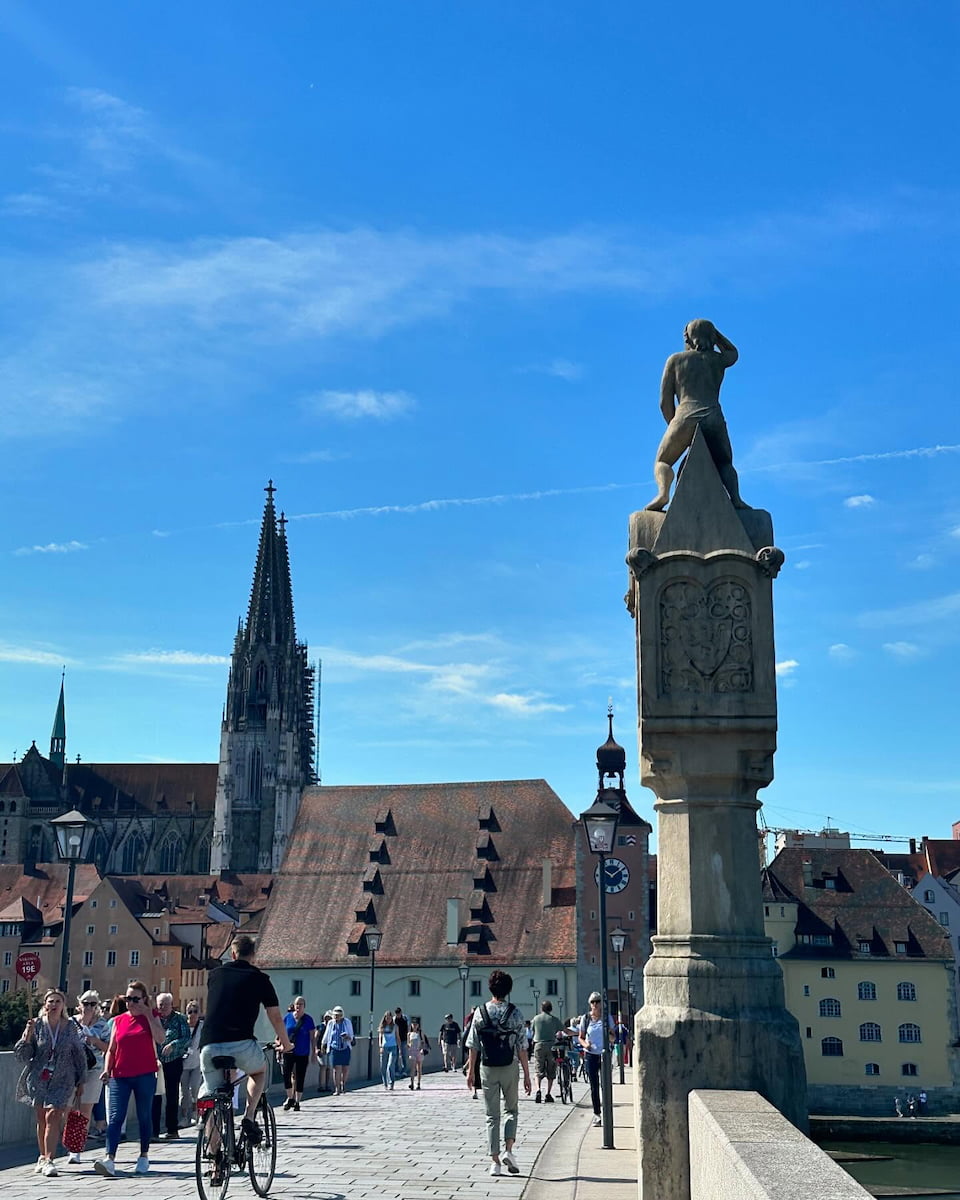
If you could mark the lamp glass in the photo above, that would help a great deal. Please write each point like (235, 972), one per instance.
(74, 835)
(463, 971)
(600, 823)
(618, 939)
(374, 937)
(627, 975)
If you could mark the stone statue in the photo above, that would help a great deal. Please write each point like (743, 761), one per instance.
(694, 377)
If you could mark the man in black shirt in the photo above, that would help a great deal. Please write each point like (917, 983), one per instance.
(449, 1041)
(234, 996)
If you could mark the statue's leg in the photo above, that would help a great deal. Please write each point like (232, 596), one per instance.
(718, 442)
(678, 437)
(663, 474)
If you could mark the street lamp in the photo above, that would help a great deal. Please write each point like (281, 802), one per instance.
(464, 972)
(628, 980)
(374, 937)
(74, 834)
(618, 939)
(600, 826)
(536, 1000)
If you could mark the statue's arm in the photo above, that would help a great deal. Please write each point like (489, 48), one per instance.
(728, 351)
(668, 390)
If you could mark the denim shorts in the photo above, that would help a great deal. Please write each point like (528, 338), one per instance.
(248, 1055)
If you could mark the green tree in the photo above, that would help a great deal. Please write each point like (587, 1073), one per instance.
(14, 1011)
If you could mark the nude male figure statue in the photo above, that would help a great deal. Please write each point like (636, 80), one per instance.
(694, 377)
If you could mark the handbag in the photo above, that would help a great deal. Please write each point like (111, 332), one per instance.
(74, 1135)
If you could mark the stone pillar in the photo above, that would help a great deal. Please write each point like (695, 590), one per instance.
(713, 1014)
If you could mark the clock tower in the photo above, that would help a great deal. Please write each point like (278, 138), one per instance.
(626, 881)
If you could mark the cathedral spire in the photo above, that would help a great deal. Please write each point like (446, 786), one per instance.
(58, 736)
(270, 615)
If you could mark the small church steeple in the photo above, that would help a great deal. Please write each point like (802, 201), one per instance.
(58, 736)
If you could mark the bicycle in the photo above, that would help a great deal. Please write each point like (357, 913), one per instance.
(563, 1068)
(220, 1150)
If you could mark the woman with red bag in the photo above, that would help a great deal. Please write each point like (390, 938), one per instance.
(56, 1067)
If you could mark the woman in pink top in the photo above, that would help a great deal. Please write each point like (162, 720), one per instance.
(130, 1067)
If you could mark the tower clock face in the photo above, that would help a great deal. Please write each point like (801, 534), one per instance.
(616, 875)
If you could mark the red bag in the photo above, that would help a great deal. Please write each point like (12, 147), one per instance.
(74, 1135)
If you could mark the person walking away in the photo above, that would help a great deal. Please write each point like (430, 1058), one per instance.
(175, 1045)
(191, 1077)
(403, 1033)
(472, 1077)
(95, 1034)
(130, 1069)
(590, 1034)
(235, 994)
(449, 1039)
(325, 1081)
(54, 1072)
(388, 1051)
(497, 1040)
(417, 1047)
(922, 1104)
(302, 1032)
(545, 1028)
(337, 1040)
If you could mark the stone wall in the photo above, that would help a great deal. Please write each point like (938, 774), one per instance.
(877, 1101)
(741, 1148)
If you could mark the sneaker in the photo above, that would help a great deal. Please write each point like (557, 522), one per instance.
(296, 1106)
(143, 1165)
(548, 1099)
(537, 1098)
(287, 1104)
(73, 1157)
(38, 1166)
(49, 1169)
(105, 1166)
(170, 1136)
(495, 1169)
(253, 1131)
(510, 1162)
(597, 1121)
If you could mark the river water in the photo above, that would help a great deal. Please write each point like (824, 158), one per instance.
(921, 1166)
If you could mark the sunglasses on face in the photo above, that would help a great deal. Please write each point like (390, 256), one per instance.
(133, 999)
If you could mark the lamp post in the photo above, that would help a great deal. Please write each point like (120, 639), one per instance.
(464, 972)
(74, 834)
(536, 1001)
(618, 939)
(374, 937)
(600, 826)
(628, 980)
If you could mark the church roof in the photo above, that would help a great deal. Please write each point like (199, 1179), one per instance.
(394, 855)
(147, 788)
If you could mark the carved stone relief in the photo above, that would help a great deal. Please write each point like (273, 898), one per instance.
(706, 644)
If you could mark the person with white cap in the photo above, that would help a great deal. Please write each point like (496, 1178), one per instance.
(337, 1039)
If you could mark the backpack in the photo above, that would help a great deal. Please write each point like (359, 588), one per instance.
(496, 1041)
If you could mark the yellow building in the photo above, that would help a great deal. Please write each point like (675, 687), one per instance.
(868, 973)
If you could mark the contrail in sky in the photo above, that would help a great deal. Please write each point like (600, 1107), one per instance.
(918, 452)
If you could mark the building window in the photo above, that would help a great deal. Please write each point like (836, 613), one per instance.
(414, 987)
(899, 947)
(593, 914)
(906, 991)
(111, 958)
(829, 1008)
(870, 1032)
(831, 1047)
(864, 947)
(88, 958)
(944, 919)
(908, 1032)
(908, 1069)
(171, 855)
(4, 985)
(806, 989)
(87, 985)
(134, 958)
(830, 884)
(8, 958)
(91, 929)
(827, 973)
(476, 987)
(866, 990)
(297, 987)
(93, 904)
(809, 1032)
(553, 987)
(113, 929)
(766, 913)
(872, 1069)
(775, 950)
(355, 987)
(929, 897)
(203, 859)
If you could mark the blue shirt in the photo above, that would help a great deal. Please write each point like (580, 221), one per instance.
(301, 1043)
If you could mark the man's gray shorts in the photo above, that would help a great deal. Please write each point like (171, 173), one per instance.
(248, 1055)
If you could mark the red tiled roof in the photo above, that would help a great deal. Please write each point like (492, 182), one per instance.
(153, 787)
(246, 893)
(432, 833)
(45, 887)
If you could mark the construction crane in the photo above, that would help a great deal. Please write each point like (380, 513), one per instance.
(763, 830)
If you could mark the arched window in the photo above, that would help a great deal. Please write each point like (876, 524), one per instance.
(13, 806)
(260, 677)
(908, 1032)
(3, 807)
(870, 1032)
(908, 1069)
(171, 855)
(35, 844)
(134, 849)
(256, 773)
(872, 1069)
(866, 990)
(829, 1008)
(203, 857)
(831, 1047)
(906, 991)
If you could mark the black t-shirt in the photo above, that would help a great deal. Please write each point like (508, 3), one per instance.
(450, 1032)
(402, 1027)
(234, 995)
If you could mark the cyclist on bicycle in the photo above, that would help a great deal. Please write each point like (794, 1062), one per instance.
(545, 1029)
(234, 996)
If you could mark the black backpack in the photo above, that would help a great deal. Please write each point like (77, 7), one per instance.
(496, 1041)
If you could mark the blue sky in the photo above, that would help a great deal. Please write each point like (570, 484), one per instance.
(421, 263)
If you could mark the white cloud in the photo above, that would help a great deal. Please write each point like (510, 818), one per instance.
(524, 706)
(863, 501)
(842, 652)
(926, 612)
(353, 406)
(29, 654)
(53, 548)
(173, 658)
(559, 368)
(903, 650)
(955, 532)
(312, 456)
(803, 565)
(786, 668)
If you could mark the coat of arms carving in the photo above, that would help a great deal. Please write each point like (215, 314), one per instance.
(706, 644)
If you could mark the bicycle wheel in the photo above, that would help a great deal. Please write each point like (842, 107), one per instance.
(262, 1159)
(214, 1141)
(564, 1074)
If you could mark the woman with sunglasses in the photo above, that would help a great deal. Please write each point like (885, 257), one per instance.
(95, 1032)
(130, 1068)
(192, 1075)
(56, 1067)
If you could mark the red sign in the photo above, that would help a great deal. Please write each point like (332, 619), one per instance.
(28, 965)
